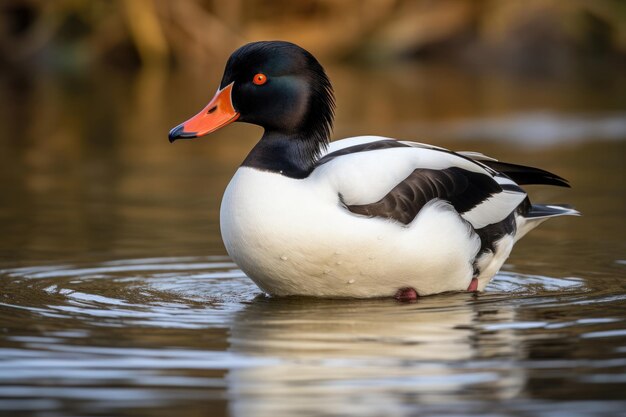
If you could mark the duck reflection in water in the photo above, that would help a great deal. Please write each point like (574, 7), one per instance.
(325, 355)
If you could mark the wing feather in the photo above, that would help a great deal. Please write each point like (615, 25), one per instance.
(395, 180)
(465, 190)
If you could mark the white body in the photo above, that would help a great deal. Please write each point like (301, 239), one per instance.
(294, 237)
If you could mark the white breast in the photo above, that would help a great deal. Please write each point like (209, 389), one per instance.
(293, 237)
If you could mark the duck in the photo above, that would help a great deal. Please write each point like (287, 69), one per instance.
(360, 217)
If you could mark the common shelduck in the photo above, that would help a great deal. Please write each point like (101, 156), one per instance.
(366, 216)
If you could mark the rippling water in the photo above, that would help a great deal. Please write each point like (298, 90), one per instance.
(160, 334)
(117, 297)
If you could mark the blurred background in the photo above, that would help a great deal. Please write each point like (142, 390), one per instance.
(89, 90)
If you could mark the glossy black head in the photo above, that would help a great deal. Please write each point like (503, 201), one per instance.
(281, 87)
(291, 94)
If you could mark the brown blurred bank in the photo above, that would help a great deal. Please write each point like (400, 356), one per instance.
(519, 35)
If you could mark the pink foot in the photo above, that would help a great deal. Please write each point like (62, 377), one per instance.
(473, 285)
(406, 294)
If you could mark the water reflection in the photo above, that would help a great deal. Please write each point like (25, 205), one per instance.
(332, 362)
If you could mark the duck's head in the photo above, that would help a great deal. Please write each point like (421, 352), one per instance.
(276, 85)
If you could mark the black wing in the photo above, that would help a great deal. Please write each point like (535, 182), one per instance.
(463, 189)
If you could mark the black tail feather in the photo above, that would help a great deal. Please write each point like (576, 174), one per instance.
(524, 175)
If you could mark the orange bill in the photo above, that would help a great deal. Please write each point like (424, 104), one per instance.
(218, 113)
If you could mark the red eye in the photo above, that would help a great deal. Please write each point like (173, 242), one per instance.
(259, 79)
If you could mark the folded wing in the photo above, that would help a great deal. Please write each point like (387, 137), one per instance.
(396, 180)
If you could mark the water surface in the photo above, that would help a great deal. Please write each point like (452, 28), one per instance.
(117, 297)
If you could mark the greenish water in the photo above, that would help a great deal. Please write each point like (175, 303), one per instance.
(117, 297)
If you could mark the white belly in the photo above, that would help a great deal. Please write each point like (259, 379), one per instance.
(293, 237)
